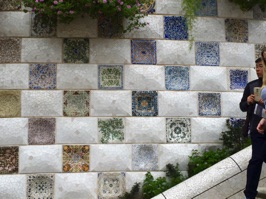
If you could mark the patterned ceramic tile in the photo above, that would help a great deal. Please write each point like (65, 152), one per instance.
(143, 52)
(10, 50)
(10, 5)
(76, 158)
(258, 13)
(207, 53)
(110, 76)
(110, 27)
(236, 30)
(9, 160)
(258, 49)
(40, 186)
(42, 76)
(76, 50)
(145, 157)
(111, 185)
(10, 103)
(148, 7)
(238, 79)
(178, 130)
(175, 28)
(177, 78)
(144, 103)
(209, 104)
(111, 130)
(76, 103)
(208, 8)
(41, 131)
(41, 28)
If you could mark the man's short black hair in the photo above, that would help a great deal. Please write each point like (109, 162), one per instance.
(258, 60)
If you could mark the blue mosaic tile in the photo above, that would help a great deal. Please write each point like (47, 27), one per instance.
(209, 104)
(177, 78)
(175, 28)
(236, 30)
(236, 122)
(42, 76)
(144, 103)
(76, 50)
(143, 52)
(207, 53)
(110, 77)
(238, 79)
(208, 8)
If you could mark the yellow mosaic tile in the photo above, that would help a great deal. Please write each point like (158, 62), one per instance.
(10, 103)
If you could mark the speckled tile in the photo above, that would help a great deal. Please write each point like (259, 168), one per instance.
(175, 28)
(148, 7)
(10, 103)
(76, 158)
(144, 157)
(10, 50)
(110, 27)
(143, 52)
(111, 130)
(10, 5)
(178, 130)
(42, 76)
(207, 53)
(208, 8)
(40, 186)
(110, 76)
(177, 78)
(111, 185)
(144, 103)
(238, 79)
(76, 50)
(76, 103)
(258, 49)
(9, 160)
(41, 28)
(236, 30)
(41, 131)
(209, 104)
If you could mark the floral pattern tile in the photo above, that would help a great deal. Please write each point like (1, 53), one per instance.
(144, 103)
(110, 76)
(76, 158)
(236, 30)
(76, 103)
(208, 8)
(209, 104)
(238, 79)
(10, 103)
(10, 50)
(143, 52)
(41, 27)
(148, 7)
(42, 76)
(177, 78)
(41, 131)
(40, 186)
(76, 50)
(207, 53)
(175, 28)
(10, 5)
(145, 157)
(111, 185)
(178, 130)
(9, 160)
(258, 49)
(111, 130)
(110, 27)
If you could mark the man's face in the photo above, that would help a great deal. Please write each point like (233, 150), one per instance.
(259, 69)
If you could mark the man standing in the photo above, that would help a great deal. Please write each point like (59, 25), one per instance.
(247, 104)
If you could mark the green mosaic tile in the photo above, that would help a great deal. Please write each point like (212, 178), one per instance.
(76, 50)
(10, 103)
(110, 76)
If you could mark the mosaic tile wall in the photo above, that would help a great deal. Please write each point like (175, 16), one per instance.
(85, 112)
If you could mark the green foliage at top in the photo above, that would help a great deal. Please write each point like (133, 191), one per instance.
(247, 5)
(135, 193)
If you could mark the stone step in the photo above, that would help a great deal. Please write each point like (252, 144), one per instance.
(261, 192)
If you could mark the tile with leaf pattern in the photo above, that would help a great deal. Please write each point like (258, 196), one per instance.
(110, 76)
(76, 50)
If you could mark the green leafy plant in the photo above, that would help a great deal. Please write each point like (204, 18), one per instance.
(247, 5)
(135, 193)
(68, 10)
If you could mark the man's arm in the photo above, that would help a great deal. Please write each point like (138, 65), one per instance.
(244, 104)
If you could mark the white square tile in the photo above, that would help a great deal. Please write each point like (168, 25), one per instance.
(230, 105)
(40, 159)
(256, 30)
(231, 10)
(13, 186)
(169, 7)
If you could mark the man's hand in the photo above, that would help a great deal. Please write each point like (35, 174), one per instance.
(261, 102)
(261, 126)
(251, 99)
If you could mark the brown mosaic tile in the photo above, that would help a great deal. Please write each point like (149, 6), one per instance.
(10, 5)
(76, 158)
(258, 49)
(41, 131)
(10, 50)
(10, 103)
(8, 160)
